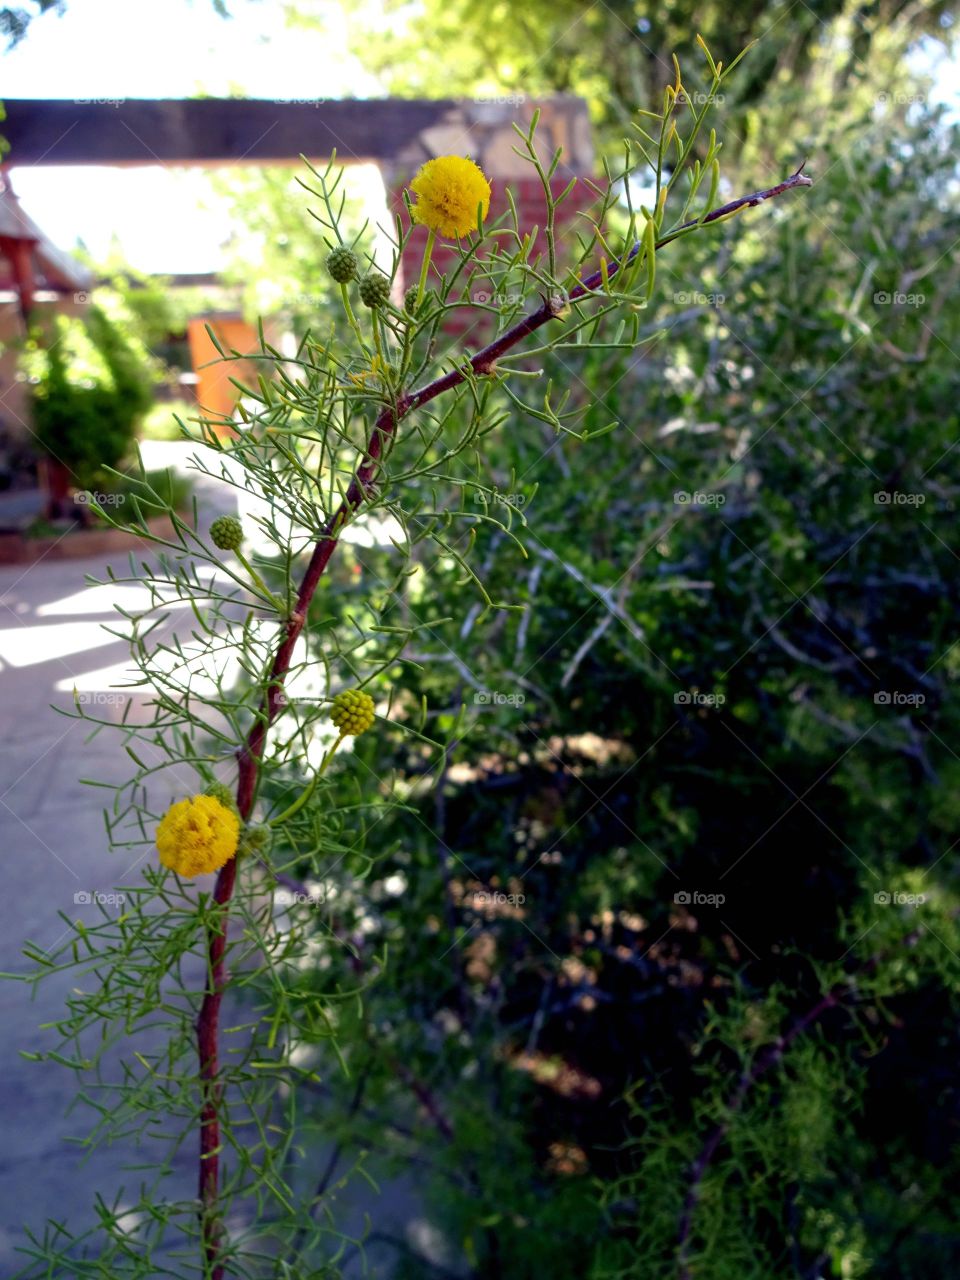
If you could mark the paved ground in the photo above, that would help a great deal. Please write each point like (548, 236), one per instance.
(53, 847)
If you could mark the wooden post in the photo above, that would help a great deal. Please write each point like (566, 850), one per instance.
(19, 253)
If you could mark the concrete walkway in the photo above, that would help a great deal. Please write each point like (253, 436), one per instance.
(53, 847)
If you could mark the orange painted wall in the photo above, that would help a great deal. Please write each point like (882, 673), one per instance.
(216, 394)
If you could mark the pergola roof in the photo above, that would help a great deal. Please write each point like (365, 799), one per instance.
(397, 134)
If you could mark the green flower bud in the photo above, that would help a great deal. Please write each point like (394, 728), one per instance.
(220, 791)
(257, 838)
(342, 264)
(374, 289)
(226, 533)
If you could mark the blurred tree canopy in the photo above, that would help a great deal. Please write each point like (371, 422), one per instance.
(617, 55)
(15, 20)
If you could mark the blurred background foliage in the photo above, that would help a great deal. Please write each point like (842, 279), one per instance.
(92, 389)
(616, 54)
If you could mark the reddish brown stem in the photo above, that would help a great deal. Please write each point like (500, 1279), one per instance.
(249, 755)
(211, 1089)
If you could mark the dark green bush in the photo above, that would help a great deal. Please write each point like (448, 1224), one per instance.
(90, 424)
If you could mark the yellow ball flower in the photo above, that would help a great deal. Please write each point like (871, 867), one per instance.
(352, 712)
(449, 191)
(197, 835)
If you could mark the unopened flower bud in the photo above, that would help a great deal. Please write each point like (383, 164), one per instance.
(226, 533)
(342, 264)
(352, 712)
(374, 289)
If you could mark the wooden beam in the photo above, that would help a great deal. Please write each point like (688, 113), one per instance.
(212, 131)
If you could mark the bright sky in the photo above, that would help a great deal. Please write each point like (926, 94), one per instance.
(108, 49)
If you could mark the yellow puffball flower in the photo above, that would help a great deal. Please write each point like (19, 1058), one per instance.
(449, 191)
(197, 835)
